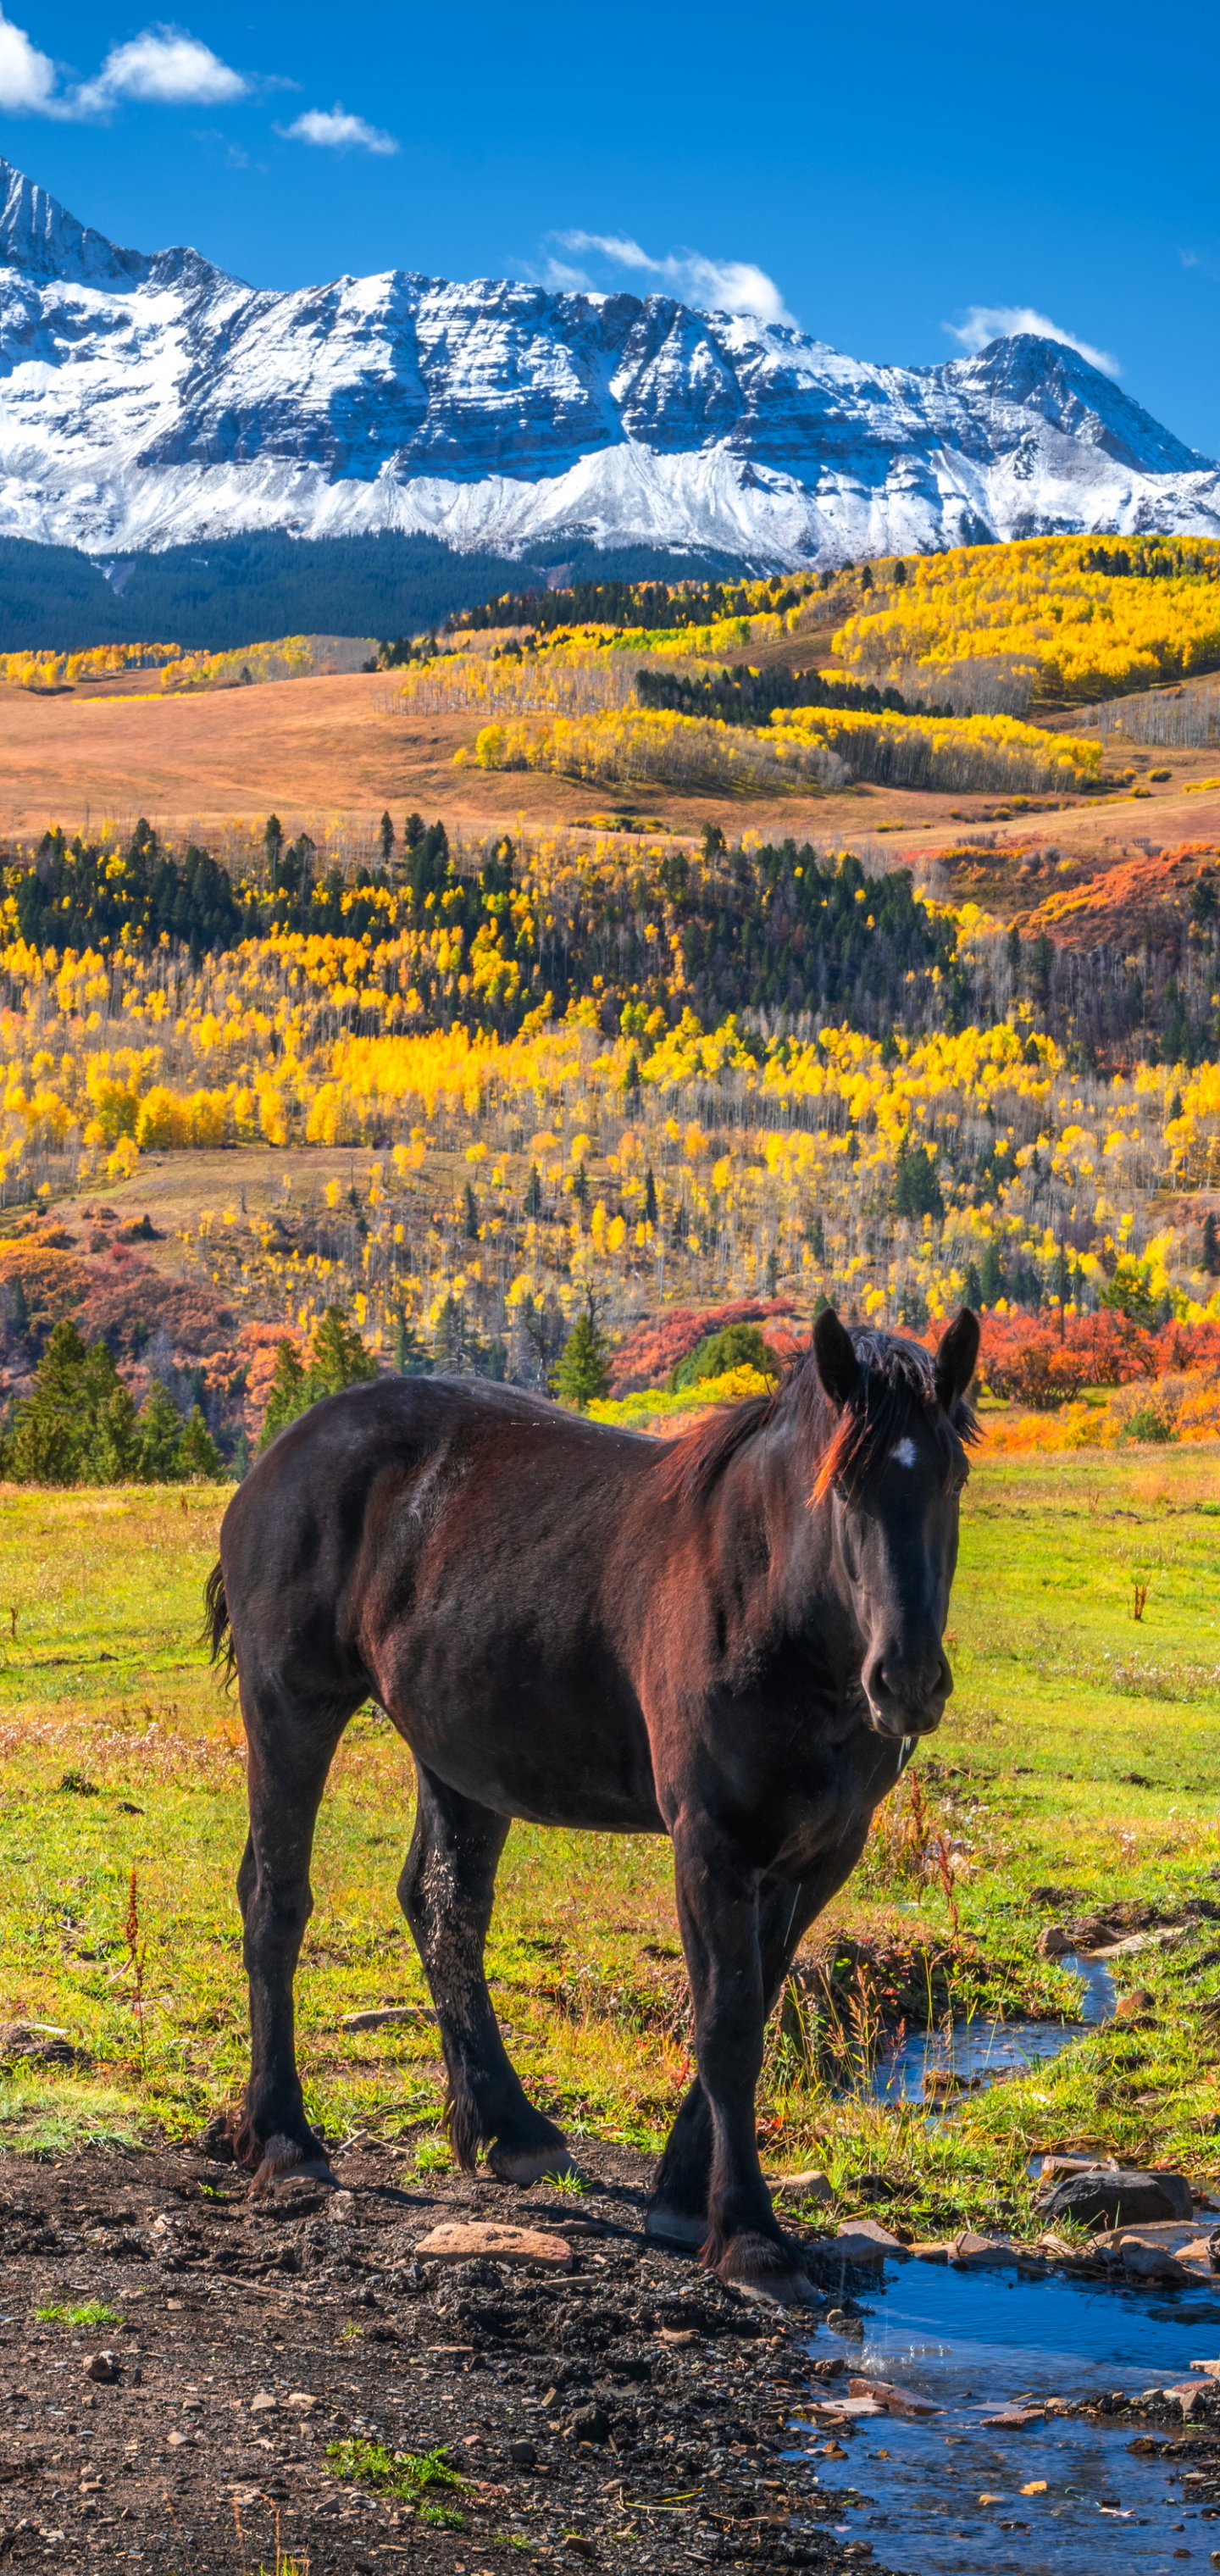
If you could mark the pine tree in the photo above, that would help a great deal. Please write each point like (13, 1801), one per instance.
(650, 1197)
(533, 1192)
(470, 1216)
(1211, 1246)
(991, 1282)
(198, 1457)
(338, 1358)
(159, 1433)
(287, 1398)
(387, 840)
(581, 1377)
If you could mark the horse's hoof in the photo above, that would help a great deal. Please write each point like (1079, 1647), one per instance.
(675, 2226)
(764, 2270)
(530, 2164)
(284, 2159)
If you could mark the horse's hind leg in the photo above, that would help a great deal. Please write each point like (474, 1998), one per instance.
(289, 1757)
(446, 1892)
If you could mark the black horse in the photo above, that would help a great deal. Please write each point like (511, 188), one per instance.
(732, 1638)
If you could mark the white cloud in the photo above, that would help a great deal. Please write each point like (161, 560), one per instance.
(27, 78)
(986, 322)
(715, 285)
(163, 67)
(336, 131)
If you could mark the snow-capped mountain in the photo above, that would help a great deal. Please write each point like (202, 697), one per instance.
(151, 401)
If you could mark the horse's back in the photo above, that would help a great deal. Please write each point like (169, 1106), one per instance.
(405, 1485)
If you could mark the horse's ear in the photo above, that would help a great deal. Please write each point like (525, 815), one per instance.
(957, 1358)
(833, 1350)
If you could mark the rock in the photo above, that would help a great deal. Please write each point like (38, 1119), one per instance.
(588, 2424)
(1135, 2002)
(523, 2455)
(387, 2017)
(1013, 2417)
(1054, 1942)
(465, 2240)
(103, 2366)
(579, 2545)
(264, 2403)
(862, 2240)
(1120, 2197)
(975, 2253)
(895, 2400)
(340, 2205)
(940, 2083)
(810, 2186)
(40, 2043)
(1150, 2262)
(302, 2398)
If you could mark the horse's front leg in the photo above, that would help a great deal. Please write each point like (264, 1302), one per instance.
(786, 1908)
(718, 1911)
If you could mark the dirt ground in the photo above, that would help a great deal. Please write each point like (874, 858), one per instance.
(629, 2412)
(318, 748)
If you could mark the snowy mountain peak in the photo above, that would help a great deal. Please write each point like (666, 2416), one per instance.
(150, 400)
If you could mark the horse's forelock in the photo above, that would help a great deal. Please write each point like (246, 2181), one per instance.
(897, 1380)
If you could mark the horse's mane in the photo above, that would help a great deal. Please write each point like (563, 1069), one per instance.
(896, 1377)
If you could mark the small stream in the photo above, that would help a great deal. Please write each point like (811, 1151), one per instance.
(980, 2051)
(975, 2341)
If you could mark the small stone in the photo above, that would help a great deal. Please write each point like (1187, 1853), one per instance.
(677, 2334)
(176, 2441)
(303, 2398)
(579, 2546)
(588, 2424)
(1054, 1943)
(864, 2241)
(1135, 2002)
(940, 2083)
(386, 2017)
(523, 2455)
(813, 2185)
(1150, 2262)
(977, 2253)
(466, 2240)
(341, 2205)
(264, 2403)
(895, 2400)
(102, 2366)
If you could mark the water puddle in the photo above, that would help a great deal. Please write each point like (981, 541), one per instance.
(973, 2342)
(978, 2052)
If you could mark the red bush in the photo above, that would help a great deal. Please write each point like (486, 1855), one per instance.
(655, 1346)
(1025, 1357)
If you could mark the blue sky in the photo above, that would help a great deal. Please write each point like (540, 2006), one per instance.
(887, 177)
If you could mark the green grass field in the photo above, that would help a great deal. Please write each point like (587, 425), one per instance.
(1081, 1750)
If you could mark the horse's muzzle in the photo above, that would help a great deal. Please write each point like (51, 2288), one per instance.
(906, 1699)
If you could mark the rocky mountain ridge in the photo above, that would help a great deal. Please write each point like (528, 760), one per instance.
(147, 401)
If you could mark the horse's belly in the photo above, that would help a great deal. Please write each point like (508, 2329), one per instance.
(578, 1760)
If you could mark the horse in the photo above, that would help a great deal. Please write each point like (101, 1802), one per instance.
(733, 1638)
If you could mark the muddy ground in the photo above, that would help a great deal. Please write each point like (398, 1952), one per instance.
(629, 2413)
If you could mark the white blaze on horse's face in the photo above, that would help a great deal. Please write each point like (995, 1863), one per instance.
(899, 1547)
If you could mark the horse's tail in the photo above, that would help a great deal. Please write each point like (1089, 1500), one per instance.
(217, 1633)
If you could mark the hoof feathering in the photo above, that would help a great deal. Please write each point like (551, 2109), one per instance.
(675, 2227)
(282, 2157)
(763, 2270)
(530, 2164)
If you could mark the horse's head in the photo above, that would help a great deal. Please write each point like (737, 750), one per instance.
(892, 1475)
